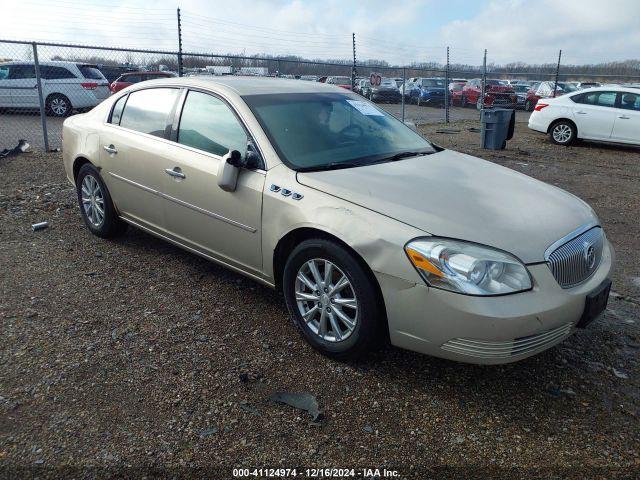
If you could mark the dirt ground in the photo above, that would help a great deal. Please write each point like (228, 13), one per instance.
(130, 357)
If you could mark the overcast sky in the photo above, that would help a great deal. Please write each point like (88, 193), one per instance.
(400, 31)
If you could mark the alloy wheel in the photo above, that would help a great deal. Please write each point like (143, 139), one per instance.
(92, 200)
(326, 300)
(562, 133)
(59, 106)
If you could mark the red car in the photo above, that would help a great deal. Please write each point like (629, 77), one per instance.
(455, 92)
(129, 78)
(545, 90)
(496, 94)
(343, 82)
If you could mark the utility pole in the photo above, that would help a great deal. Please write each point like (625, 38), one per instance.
(43, 118)
(484, 79)
(446, 90)
(555, 86)
(353, 69)
(179, 45)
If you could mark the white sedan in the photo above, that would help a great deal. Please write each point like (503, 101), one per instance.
(606, 114)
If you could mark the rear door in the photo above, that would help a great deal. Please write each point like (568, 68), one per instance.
(23, 86)
(626, 126)
(5, 90)
(594, 114)
(134, 149)
(224, 225)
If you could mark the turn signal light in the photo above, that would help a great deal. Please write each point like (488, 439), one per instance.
(89, 85)
(540, 106)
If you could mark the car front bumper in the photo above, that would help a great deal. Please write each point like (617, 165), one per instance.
(487, 330)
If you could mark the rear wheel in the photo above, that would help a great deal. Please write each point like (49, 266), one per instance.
(562, 132)
(331, 299)
(96, 206)
(58, 105)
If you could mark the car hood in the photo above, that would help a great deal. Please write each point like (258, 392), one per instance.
(455, 195)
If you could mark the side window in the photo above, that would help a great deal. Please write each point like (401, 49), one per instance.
(116, 113)
(22, 72)
(55, 73)
(629, 101)
(207, 123)
(4, 72)
(601, 99)
(147, 111)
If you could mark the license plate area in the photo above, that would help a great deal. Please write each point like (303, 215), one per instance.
(595, 304)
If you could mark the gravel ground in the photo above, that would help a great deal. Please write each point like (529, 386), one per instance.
(126, 357)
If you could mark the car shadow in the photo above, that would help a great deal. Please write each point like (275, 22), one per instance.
(517, 393)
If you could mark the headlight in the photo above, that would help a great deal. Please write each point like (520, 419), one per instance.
(466, 267)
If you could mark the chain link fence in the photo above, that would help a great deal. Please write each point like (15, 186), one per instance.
(43, 83)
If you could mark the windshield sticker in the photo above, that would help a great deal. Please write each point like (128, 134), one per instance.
(365, 108)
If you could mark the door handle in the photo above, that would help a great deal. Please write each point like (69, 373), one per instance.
(110, 149)
(176, 172)
(624, 117)
(581, 113)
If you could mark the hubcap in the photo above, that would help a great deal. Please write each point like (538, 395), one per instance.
(326, 300)
(92, 201)
(562, 133)
(58, 106)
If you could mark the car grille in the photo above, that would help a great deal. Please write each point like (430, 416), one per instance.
(575, 261)
(507, 348)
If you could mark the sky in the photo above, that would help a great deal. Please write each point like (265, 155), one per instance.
(400, 31)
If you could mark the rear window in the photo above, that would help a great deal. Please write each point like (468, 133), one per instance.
(147, 111)
(130, 78)
(91, 72)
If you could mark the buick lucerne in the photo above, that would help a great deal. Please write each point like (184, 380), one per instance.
(370, 231)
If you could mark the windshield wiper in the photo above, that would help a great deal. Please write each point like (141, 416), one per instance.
(401, 155)
(331, 166)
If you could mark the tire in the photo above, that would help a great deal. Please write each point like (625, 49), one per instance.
(366, 319)
(464, 101)
(58, 105)
(91, 187)
(563, 132)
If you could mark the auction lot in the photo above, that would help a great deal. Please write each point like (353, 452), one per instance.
(27, 124)
(127, 354)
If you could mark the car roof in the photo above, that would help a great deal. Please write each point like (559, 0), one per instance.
(608, 89)
(61, 63)
(145, 72)
(248, 85)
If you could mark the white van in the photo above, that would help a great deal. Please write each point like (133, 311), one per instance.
(65, 86)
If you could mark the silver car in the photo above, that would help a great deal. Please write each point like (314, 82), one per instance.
(370, 231)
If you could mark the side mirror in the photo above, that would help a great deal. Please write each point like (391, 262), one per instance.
(228, 170)
(252, 159)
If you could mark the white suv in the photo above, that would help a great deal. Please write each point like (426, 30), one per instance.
(65, 86)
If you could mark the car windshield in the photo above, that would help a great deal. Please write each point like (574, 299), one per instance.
(432, 82)
(320, 131)
(521, 88)
(91, 72)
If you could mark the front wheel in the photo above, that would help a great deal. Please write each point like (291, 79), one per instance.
(562, 133)
(332, 300)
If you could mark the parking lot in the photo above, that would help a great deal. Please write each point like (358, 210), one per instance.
(118, 355)
(27, 125)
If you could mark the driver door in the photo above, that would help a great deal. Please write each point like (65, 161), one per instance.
(200, 214)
